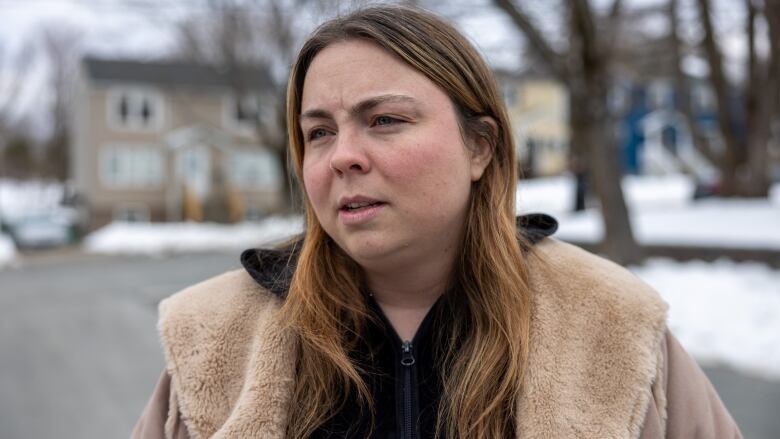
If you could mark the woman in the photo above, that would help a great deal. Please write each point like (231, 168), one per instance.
(413, 306)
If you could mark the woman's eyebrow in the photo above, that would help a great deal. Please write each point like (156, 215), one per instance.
(370, 103)
(316, 114)
(361, 107)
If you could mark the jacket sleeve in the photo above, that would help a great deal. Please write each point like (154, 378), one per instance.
(161, 419)
(692, 407)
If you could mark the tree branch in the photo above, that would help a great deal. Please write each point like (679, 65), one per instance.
(613, 21)
(592, 53)
(555, 61)
(683, 89)
(720, 85)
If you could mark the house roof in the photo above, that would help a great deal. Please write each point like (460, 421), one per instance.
(172, 73)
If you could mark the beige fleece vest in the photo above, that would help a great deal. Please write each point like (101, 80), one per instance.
(595, 352)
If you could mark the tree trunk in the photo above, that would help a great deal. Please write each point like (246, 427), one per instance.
(583, 69)
(726, 121)
(606, 176)
(763, 102)
(579, 156)
(683, 90)
(591, 89)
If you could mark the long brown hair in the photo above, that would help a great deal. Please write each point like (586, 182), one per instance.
(486, 348)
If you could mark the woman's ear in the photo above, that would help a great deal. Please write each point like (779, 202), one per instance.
(483, 144)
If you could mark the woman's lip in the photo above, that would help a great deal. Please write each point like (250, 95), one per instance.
(344, 201)
(360, 216)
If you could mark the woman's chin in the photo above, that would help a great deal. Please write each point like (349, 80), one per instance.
(373, 254)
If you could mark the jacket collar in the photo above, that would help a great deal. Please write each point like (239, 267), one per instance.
(273, 268)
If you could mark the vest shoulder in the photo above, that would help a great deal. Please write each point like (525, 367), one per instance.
(227, 355)
(214, 298)
(578, 276)
(214, 312)
(596, 338)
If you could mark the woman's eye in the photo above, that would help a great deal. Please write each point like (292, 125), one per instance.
(317, 133)
(385, 120)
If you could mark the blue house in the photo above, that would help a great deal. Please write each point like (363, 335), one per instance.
(652, 132)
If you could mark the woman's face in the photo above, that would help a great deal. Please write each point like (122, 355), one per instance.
(385, 166)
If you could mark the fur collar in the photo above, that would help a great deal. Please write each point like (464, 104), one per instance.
(595, 348)
(273, 269)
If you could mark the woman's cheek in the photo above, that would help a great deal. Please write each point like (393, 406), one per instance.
(314, 181)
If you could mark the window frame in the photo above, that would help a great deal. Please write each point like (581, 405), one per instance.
(230, 120)
(135, 94)
(110, 181)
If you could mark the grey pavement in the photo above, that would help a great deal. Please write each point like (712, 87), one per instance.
(79, 353)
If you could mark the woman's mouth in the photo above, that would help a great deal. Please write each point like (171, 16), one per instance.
(352, 207)
(360, 212)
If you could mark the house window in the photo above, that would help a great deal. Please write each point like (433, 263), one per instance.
(242, 114)
(136, 108)
(245, 110)
(253, 170)
(130, 166)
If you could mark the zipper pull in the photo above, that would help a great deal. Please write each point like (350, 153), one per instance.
(407, 359)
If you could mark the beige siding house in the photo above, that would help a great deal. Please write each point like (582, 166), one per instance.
(169, 142)
(538, 107)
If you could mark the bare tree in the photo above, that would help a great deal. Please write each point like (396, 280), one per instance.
(585, 68)
(61, 49)
(764, 94)
(14, 66)
(16, 152)
(683, 88)
(743, 163)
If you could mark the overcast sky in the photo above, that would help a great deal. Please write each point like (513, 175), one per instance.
(141, 29)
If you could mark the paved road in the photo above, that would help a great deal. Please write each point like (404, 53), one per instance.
(79, 353)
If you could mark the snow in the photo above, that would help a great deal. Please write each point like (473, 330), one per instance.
(662, 212)
(555, 195)
(162, 238)
(722, 312)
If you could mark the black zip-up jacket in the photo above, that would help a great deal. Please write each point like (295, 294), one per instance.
(403, 376)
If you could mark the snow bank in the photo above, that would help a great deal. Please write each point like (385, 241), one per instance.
(722, 312)
(662, 211)
(7, 250)
(162, 238)
(555, 195)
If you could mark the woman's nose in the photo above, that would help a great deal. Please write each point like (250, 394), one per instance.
(349, 155)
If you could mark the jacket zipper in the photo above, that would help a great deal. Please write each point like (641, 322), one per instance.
(407, 361)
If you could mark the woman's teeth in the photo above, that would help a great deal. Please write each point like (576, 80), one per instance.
(355, 206)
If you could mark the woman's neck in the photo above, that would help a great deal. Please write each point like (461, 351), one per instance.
(405, 296)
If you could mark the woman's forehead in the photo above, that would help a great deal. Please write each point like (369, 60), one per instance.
(353, 71)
